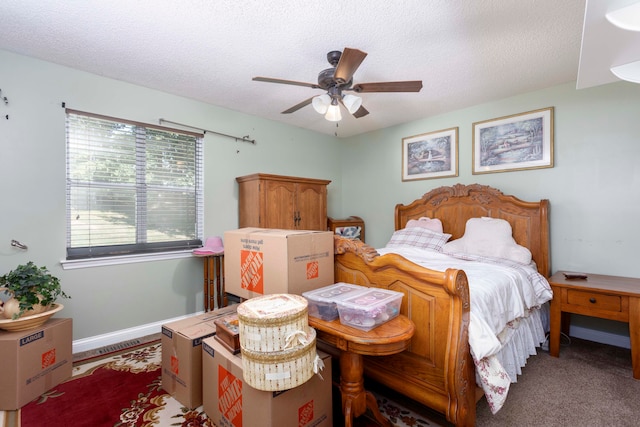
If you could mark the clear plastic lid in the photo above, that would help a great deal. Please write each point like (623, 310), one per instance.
(335, 292)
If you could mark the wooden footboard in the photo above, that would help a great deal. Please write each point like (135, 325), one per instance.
(437, 370)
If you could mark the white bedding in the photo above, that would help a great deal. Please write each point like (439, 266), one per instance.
(505, 323)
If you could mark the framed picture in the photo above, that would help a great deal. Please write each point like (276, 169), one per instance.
(430, 155)
(517, 142)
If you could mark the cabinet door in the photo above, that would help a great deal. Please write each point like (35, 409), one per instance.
(280, 200)
(311, 207)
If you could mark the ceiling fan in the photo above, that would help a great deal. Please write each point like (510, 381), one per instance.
(339, 79)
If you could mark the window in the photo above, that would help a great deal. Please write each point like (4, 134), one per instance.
(132, 188)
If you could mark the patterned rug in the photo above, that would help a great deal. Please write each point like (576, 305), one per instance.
(123, 389)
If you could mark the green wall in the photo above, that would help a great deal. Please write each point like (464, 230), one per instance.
(32, 186)
(593, 188)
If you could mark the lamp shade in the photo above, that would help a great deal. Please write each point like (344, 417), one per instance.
(333, 113)
(352, 102)
(321, 103)
(627, 18)
(629, 72)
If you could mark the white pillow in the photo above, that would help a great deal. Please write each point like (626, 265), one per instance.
(490, 237)
(418, 237)
(429, 223)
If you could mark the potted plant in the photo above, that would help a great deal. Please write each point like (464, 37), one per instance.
(28, 290)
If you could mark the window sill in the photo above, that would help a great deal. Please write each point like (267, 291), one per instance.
(127, 259)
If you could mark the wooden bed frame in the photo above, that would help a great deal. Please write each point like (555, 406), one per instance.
(437, 370)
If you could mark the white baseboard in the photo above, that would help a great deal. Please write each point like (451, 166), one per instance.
(97, 341)
(600, 336)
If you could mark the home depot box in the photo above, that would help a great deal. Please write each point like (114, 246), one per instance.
(34, 361)
(182, 355)
(261, 261)
(230, 402)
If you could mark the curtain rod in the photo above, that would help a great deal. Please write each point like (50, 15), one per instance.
(237, 138)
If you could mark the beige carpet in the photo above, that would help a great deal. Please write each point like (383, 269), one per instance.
(590, 384)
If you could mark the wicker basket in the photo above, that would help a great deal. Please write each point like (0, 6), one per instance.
(273, 323)
(280, 370)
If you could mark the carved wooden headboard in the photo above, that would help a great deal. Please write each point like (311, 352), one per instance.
(455, 205)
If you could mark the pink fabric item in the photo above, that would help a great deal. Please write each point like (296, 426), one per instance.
(212, 246)
(433, 224)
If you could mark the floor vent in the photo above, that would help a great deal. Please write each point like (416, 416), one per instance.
(119, 346)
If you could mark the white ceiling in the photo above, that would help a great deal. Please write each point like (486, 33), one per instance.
(465, 52)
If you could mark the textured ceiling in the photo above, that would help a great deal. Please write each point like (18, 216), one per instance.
(465, 52)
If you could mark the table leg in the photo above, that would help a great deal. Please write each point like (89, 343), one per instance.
(206, 283)
(220, 283)
(372, 404)
(555, 321)
(355, 400)
(634, 334)
(213, 277)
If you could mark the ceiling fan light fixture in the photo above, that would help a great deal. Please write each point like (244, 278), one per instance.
(352, 102)
(629, 72)
(333, 113)
(627, 18)
(321, 103)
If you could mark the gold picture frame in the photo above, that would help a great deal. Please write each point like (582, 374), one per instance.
(430, 155)
(512, 143)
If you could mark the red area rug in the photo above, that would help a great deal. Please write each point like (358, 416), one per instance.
(124, 390)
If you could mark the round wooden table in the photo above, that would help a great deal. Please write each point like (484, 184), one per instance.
(389, 338)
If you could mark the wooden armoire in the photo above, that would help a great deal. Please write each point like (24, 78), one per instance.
(284, 202)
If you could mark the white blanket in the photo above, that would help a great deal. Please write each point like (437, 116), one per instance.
(500, 292)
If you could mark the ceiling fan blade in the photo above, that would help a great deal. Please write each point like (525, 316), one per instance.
(285, 82)
(361, 112)
(298, 106)
(407, 86)
(349, 62)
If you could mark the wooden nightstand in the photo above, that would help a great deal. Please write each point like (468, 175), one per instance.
(606, 297)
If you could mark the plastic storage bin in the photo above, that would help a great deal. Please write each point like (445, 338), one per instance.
(322, 301)
(369, 309)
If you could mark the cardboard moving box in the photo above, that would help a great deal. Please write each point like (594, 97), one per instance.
(230, 402)
(182, 355)
(34, 361)
(262, 261)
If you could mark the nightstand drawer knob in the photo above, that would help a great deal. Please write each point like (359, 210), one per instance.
(592, 300)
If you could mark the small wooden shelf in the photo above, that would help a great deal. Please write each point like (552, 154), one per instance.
(334, 224)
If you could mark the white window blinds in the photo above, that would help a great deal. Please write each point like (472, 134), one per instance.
(131, 188)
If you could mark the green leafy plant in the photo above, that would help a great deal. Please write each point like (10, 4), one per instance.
(33, 287)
